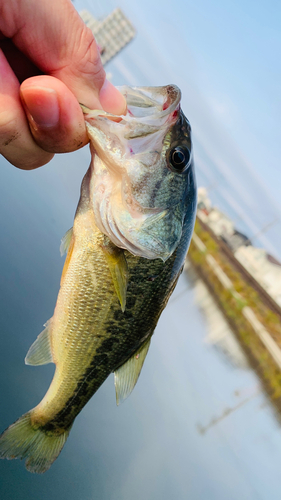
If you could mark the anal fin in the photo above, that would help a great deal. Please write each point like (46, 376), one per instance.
(126, 377)
(40, 351)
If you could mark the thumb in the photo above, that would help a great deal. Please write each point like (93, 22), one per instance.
(56, 39)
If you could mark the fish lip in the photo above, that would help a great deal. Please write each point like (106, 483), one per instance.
(172, 92)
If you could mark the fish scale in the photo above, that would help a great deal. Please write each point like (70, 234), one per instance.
(125, 330)
(125, 254)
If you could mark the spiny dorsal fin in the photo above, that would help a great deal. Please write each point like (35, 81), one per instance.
(40, 351)
(65, 242)
(125, 378)
(119, 270)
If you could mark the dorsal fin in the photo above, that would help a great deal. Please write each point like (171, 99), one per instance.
(125, 378)
(40, 351)
(119, 270)
(65, 242)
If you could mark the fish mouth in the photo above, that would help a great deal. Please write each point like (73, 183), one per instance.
(144, 104)
(150, 102)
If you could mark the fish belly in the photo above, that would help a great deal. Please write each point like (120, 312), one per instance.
(91, 336)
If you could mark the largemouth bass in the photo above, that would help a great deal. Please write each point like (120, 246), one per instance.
(126, 250)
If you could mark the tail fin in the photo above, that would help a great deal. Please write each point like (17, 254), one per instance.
(22, 440)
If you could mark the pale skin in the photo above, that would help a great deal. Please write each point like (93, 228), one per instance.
(49, 62)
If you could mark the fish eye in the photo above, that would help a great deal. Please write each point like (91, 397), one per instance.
(179, 158)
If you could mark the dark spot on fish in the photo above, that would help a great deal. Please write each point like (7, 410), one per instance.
(49, 428)
(152, 278)
(108, 344)
(131, 300)
(101, 359)
(117, 314)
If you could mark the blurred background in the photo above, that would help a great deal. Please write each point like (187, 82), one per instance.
(203, 421)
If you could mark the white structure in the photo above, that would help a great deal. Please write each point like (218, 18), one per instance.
(203, 202)
(220, 224)
(264, 268)
(112, 33)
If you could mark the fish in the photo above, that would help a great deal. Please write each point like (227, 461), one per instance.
(125, 253)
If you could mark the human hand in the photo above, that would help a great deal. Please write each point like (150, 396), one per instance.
(47, 46)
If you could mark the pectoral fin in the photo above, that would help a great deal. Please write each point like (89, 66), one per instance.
(65, 242)
(67, 245)
(125, 378)
(119, 270)
(40, 352)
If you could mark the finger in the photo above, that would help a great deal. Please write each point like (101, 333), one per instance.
(110, 99)
(16, 141)
(56, 39)
(54, 114)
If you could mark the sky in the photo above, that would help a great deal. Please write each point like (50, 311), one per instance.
(225, 57)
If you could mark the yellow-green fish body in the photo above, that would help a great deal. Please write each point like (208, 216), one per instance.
(107, 308)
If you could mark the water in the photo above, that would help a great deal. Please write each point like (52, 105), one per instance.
(197, 425)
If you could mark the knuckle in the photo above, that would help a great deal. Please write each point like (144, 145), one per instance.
(89, 57)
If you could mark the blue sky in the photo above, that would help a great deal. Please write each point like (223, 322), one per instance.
(225, 57)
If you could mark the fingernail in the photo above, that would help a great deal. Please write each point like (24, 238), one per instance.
(112, 100)
(42, 106)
